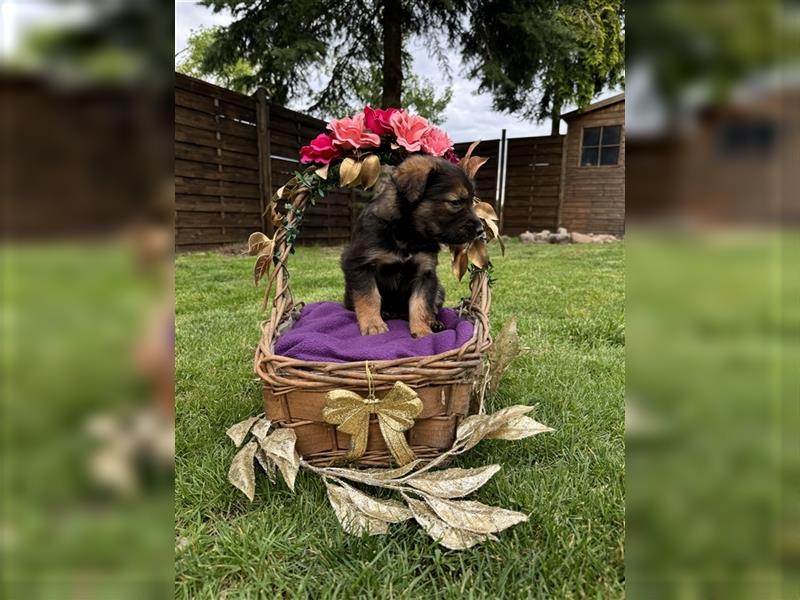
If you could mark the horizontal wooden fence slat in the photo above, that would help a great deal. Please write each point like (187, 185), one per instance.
(217, 235)
(214, 156)
(205, 187)
(225, 141)
(185, 203)
(200, 120)
(227, 219)
(185, 168)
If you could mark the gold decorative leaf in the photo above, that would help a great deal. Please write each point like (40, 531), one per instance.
(279, 447)
(473, 164)
(460, 261)
(353, 521)
(390, 511)
(485, 211)
(452, 483)
(397, 473)
(476, 427)
(495, 233)
(446, 535)
(238, 432)
(257, 242)
(349, 171)
(474, 516)
(269, 466)
(504, 350)
(261, 429)
(242, 472)
(322, 172)
(279, 193)
(370, 171)
(518, 429)
(262, 267)
(465, 159)
(369, 476)
(478, 254)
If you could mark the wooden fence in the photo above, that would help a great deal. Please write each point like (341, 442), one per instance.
(532, 184)
(232, 152)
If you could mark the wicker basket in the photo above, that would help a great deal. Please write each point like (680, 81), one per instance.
(295, 390)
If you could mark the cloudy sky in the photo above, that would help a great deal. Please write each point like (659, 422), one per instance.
(469, 116)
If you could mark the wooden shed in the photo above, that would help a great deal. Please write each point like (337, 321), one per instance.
(593, 169)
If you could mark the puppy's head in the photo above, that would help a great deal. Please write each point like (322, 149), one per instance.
(438, 196)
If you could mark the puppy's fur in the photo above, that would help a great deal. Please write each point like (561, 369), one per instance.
(390, 266)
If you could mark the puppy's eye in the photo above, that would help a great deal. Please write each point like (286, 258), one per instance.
(456, 203)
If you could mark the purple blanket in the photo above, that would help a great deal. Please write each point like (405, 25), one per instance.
(326, 331)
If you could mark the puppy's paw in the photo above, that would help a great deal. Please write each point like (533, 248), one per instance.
(373, 327)
(437, 326)
(420, 330)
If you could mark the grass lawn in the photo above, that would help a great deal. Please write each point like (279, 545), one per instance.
(569, 305)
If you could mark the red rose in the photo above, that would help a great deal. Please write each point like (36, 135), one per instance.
(377, 119)
(452, 156)
(321, 150)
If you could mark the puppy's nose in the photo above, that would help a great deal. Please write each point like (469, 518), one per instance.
(478, 229)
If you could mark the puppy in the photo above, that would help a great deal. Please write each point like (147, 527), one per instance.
(390, 265)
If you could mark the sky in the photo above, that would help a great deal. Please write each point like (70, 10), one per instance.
(469, 116)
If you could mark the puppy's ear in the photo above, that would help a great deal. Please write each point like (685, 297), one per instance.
(413, 175)
(385, 201)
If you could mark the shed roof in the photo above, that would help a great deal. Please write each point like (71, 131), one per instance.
(592, 107)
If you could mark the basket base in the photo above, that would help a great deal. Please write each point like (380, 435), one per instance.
(433, 433)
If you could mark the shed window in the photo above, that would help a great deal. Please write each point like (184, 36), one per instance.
(600, 145)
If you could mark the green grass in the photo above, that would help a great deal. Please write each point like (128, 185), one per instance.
(569, 305)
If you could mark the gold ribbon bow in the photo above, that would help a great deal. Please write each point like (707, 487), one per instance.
(396, 411)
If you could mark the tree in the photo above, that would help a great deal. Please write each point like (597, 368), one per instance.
(535, 57)
(237, 75)
(420, 93)
(334, 45)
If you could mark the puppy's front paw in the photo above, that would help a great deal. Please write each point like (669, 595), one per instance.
(420, 330)
(373, 327)
(437, 326)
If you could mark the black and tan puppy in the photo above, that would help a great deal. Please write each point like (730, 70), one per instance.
(390, 265)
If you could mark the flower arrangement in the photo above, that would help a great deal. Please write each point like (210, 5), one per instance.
(389, 133)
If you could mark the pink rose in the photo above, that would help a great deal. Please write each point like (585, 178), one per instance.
(321, 150)
(409, 130)
(377, 119)
(436, 142)
(350, 133)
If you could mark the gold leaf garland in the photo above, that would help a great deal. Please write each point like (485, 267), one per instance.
(432, 498)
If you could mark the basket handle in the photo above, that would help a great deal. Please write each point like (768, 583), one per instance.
(283, 303)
